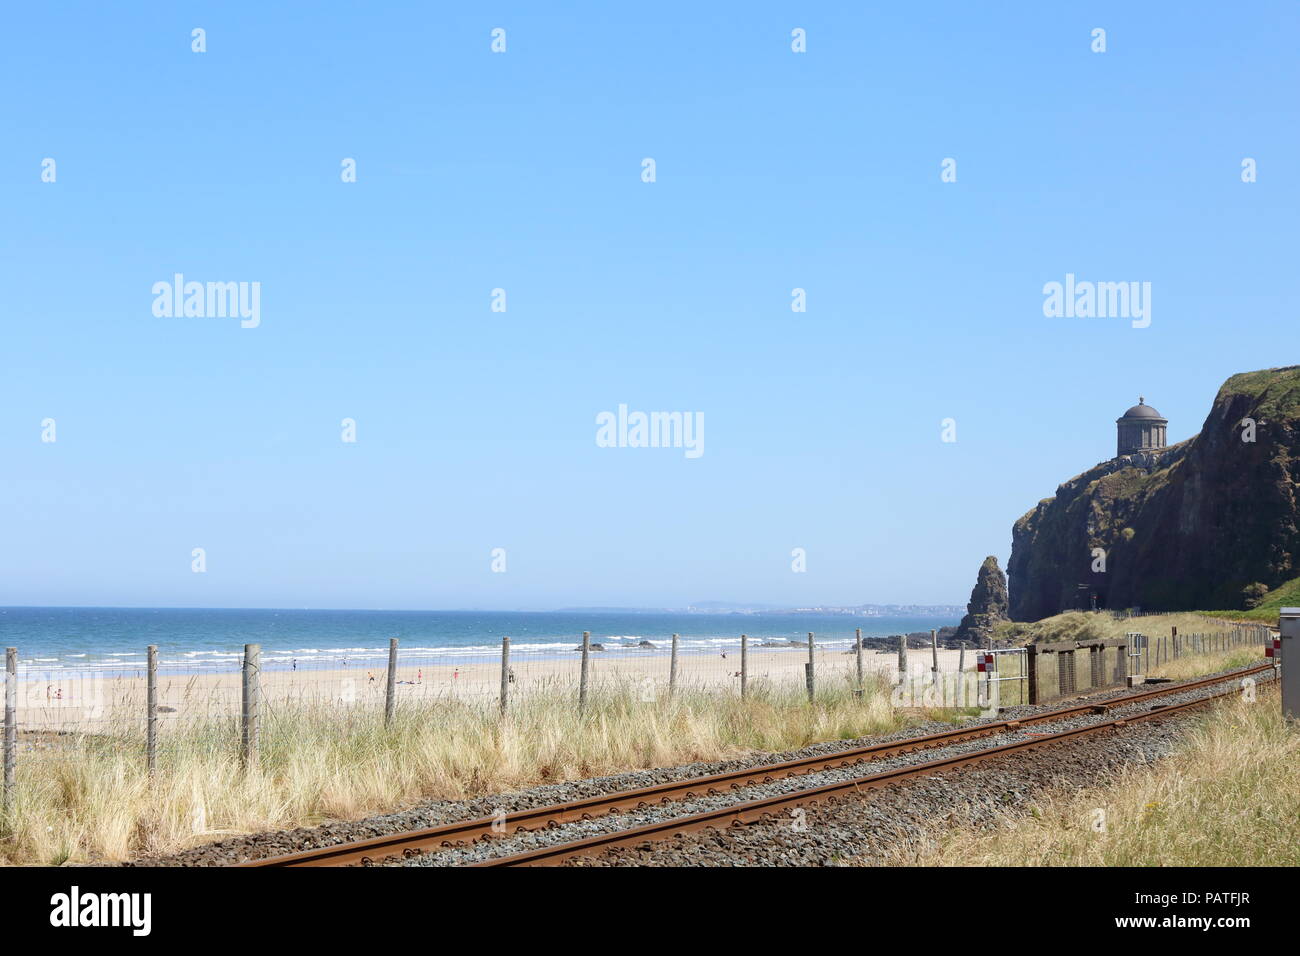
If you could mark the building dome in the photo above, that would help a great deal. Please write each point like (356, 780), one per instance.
(1141, 429)
(1142, 410)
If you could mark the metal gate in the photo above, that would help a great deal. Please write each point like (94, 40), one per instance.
(1003, 666)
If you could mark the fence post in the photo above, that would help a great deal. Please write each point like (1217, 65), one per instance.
(505, 673)
(586, 667)
(858, 647)
(251, 696)
(1031, 673)
(811, 668)
(390, 692)
(744, 663)
(11, 724)
(934, 657)
(151, 721)
(672, 670)
(960, 699)
(902, 658)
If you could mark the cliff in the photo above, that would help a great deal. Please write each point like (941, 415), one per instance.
(1183, 529)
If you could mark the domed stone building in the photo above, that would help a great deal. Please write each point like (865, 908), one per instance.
(1141, 429)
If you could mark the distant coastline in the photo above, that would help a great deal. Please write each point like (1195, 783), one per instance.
(718, 607)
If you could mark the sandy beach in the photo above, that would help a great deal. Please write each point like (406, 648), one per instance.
(74, 700)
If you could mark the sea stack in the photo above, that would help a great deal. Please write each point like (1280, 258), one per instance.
(988, 604)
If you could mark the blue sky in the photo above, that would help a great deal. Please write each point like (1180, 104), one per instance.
(522, 171)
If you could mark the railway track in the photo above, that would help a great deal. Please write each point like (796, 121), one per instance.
(417, 842)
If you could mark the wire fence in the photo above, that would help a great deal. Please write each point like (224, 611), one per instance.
(220, 700)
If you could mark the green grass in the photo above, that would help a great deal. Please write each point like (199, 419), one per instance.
(1284, 595)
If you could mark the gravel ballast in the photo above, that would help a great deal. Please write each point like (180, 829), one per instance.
(875, 820)
(260, 845)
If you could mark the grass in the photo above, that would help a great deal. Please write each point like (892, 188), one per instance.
(1099, 625)
(1226, 797)
(91, 799)
(1211, 662)
(1286, 594)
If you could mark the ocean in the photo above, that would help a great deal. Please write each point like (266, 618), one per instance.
(114, 640)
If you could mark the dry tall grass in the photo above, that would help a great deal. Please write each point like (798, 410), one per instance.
(1226, 798)
(91, 798)
(1099, 625)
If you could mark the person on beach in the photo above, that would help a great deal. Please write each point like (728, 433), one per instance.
(371, 675)
(419, 676)
(295, 663)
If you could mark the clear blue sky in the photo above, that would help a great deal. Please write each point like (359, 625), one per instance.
(522, 170)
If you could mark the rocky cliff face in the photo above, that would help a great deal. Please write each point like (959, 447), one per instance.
(988, 604)
(1184, 529)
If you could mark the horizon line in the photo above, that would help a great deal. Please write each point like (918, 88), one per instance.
(452, 610)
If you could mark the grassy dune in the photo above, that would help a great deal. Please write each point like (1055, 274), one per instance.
(1226, 798)
(1098, 625)
(90, 798)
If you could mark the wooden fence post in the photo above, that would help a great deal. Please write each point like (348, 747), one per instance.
(811, 668)
(858, 649)
(252, 687)
(1031, 672)
(390, 691)
(902, 658)
(151, 712)
(960, 699)
(672, 670)
(11, 725)
(586, 666)
(505, 673)
(934, 657)
(744, 663)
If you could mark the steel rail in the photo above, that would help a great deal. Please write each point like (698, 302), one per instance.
(415, 842)
(765, 809)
